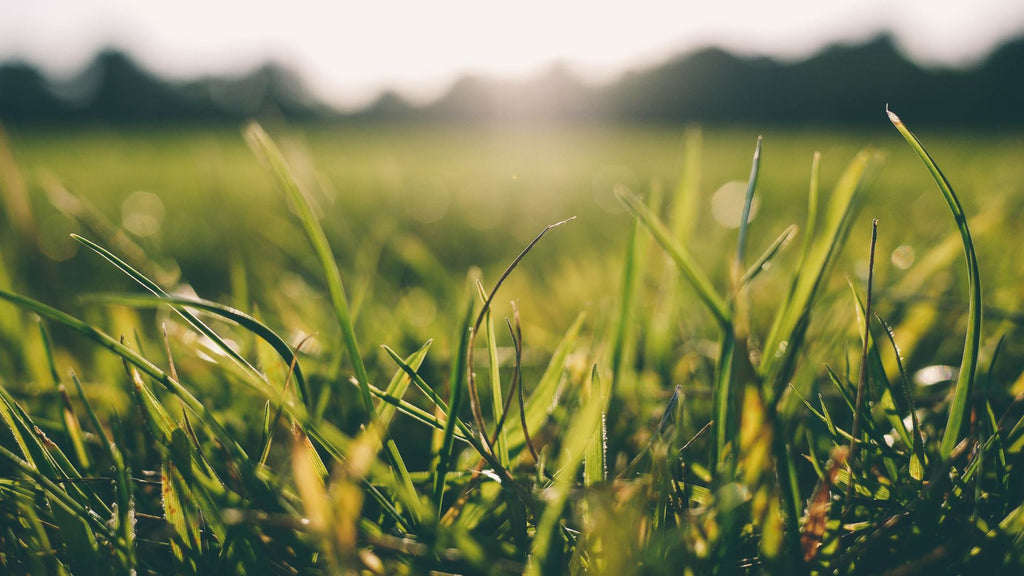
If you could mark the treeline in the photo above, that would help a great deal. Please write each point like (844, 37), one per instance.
(840, 85)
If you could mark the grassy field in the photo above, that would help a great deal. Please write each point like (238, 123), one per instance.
(261, 341)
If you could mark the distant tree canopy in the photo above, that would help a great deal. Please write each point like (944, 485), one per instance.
(840, 85)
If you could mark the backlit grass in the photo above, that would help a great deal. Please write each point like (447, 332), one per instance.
(374, 354)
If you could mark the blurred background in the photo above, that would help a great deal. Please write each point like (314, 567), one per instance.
(794, 61)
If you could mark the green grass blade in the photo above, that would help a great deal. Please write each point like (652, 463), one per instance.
(419, 414)
(623, 344)
(265, 148)
(810, 225)
(72, 427)
(724, 403)
(458, 394)
(237, 316)
(134, 358)
(396, 389)
(791, 322)
(595, 468)
(764, 261)
(876, 372)
(497, 408)
(682, 223)
(545, 555)
(58, 497)
(680, 255)
(918, 459)
(748, 199)
(401, 380)
(542, 398)
(153, 287)
(960, 407)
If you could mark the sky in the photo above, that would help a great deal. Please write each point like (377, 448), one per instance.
(347, 52)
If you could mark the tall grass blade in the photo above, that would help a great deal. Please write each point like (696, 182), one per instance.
(684, 206)
(862, 382)
(266, 150)
(545, 556)
(748, 199)
(625, 324)
(72, 427)
(497, 406)
(793, 317)
(960, 407)
(595, 469)
(680, 255)
(458, 392)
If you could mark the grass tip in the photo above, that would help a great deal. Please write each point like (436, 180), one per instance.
(892, 116)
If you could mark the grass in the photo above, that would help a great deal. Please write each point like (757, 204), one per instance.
(665, 395)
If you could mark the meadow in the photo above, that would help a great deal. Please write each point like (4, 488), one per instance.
(225, 351)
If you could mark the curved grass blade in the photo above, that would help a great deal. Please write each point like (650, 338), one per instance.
(155, 288)
(134, 358)
(960, 407)
(237, 316)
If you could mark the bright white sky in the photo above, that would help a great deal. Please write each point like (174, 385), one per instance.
(349, 50)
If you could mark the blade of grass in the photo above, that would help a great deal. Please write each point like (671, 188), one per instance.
(623, 343)
(72, 427)
(862, 381)
(546, 552)
(682, 223)
(790, 325)
(918, 459)
(960, 406)
(497, 407)
(267, 151)
(474, 398)
(544, 396)
(458, 384)
(680, 255)
(595, 469)
(764, 261)
(238, 317)
(155, 288)
(748, 199)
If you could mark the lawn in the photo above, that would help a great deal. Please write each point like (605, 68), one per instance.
(278, 354)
